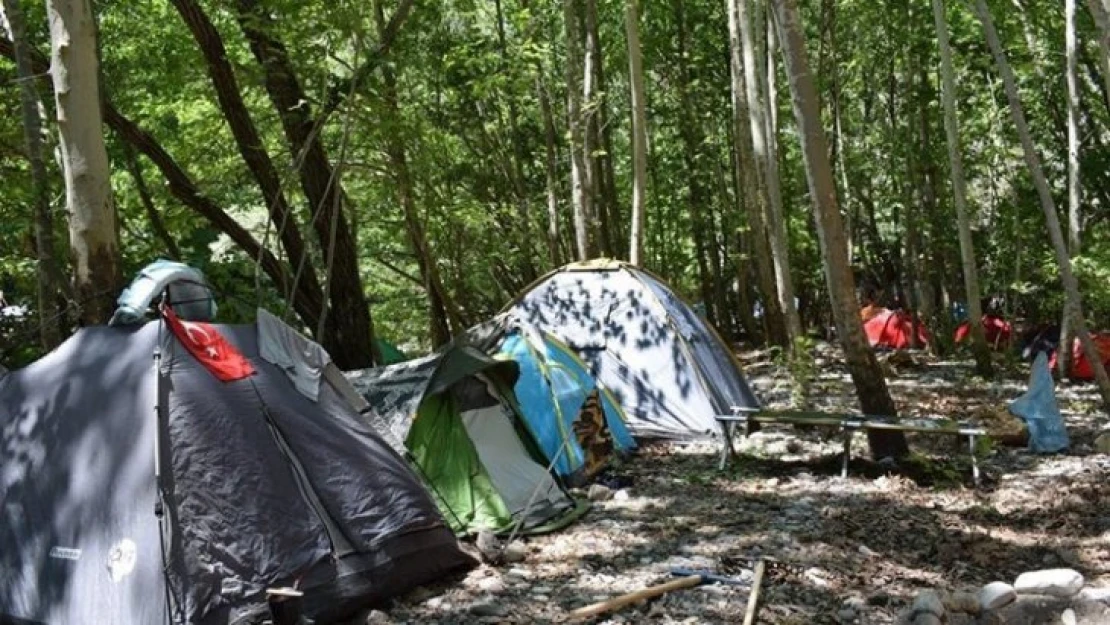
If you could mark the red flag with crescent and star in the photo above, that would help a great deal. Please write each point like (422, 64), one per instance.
(208, 346)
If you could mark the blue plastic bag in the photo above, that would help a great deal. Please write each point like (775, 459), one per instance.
(1037, 407)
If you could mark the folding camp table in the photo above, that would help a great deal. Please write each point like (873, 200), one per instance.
(848, 425)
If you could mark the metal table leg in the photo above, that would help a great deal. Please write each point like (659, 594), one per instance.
(847, 450)
(974, 460)
(727, 450)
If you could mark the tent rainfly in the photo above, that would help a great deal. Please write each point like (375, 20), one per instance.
(137, 486)
(454, 415)
(577, 422)
(668, 369)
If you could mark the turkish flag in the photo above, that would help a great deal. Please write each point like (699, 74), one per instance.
(209, 347)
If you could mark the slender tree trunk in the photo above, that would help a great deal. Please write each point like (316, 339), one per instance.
(979, 345)
(157, 224)
(51, 306)
(349, 328)
(1102, 19)
(639, 131)
(444, 315)
(581, 192)
(1048, 205)
(696, 186)
(606, 211)
(766, 172)
(93, 227)
(551, 169)
(864, 368)
(749, 194)
(1066, 336)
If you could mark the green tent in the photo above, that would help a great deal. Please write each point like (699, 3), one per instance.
(453, 414)
(391, 354)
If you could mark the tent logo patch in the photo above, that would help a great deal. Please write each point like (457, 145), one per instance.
(121, 559)
(65, 553)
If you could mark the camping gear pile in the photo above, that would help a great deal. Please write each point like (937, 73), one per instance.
(173, 470)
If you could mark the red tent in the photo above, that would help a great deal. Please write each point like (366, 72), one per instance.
(1080, 366)
(998, 330)
(893, 329)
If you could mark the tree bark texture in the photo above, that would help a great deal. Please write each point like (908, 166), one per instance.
(748, 194)
(93, 226)
(864, 368)
(639, 132)
(1064, 359)
(1048, 205)
(51, 307)
(979, 345)
(766, 169)
(581, 193)
(349, 328)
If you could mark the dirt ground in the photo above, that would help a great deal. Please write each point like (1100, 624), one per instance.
(844, 550)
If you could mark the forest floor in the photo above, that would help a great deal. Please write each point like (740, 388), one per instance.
(846, 550)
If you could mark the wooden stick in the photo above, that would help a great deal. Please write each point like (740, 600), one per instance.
(632, 597)
(753, 596)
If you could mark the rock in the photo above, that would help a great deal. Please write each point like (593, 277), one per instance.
(599, 492)
(1051, 582)
(928, 602)
(927, 619)
(541, 590)
(515, 552)
(491, 585)
(1102, 444)
(518, 573)
(486, 608)
(846, 615)
(1068, 617)
(377, 617)
(866, 552)
(962, 603)
(1097, 595)
(621, 495)
(995, 595)
(489, 546)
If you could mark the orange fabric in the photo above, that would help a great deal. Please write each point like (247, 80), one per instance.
(868, 312)
(893, 330)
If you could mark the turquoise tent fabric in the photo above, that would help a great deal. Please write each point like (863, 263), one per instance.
(1038, 408)
(551, 389)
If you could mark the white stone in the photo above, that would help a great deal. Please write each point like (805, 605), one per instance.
(1051, 582)
(599, 492)
(515, 552)
(866, 552)
(1097, 595)
(995, 595)
(621, 495)
(1068, 617)
(491, 584)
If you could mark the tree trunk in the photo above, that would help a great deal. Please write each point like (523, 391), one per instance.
(639, 131)
(749, 194)
(766, 165)
(93, 227)
(254, 155)
(599, 138)
(1102, 19)
(1048, 205)
(864, 368)
(979, 345)
(1064, 359)
(444, 315)
(551, 169)
(51, 306)
(157, 224)
(581, 192)
(349, 328)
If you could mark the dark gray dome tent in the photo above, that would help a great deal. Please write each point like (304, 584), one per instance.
(666, 366)
(260, 486)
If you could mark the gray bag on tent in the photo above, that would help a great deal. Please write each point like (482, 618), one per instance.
(188, 292)
(1037, 407)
